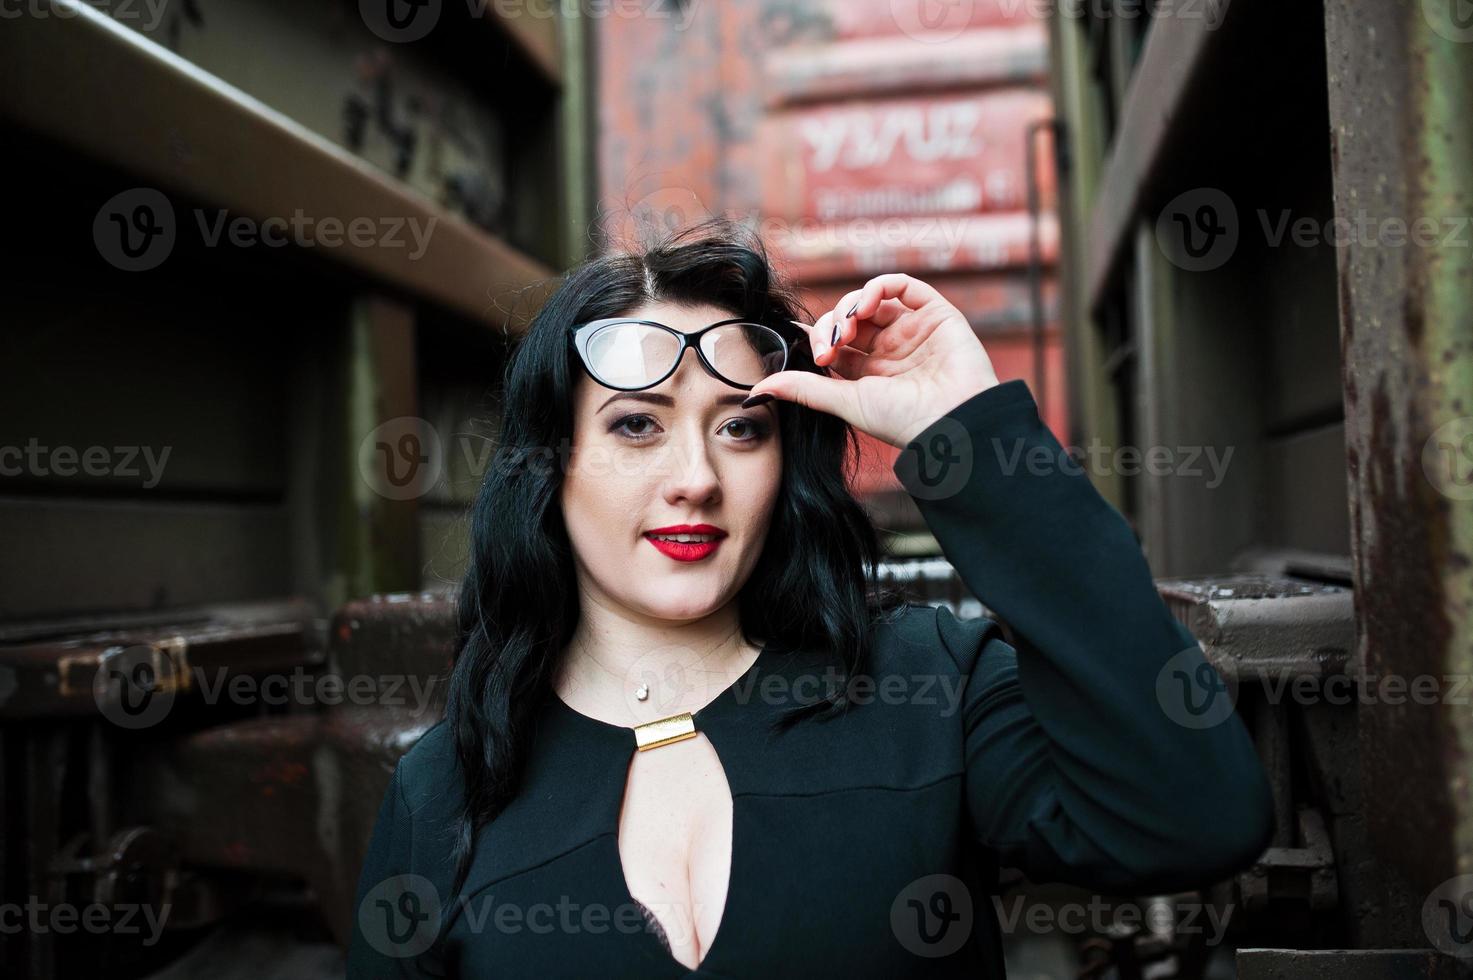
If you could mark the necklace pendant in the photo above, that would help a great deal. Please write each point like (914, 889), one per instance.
(643, 694)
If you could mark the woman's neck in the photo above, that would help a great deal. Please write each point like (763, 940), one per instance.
(628, 674)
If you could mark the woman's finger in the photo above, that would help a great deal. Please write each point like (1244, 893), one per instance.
(860, 337)
(910, 291)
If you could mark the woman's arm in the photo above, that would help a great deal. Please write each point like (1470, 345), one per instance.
(1077, 769)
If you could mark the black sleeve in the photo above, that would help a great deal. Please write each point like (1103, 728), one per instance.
(1093, 754)
(396, 913)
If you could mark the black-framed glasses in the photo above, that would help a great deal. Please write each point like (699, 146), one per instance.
(629, 354)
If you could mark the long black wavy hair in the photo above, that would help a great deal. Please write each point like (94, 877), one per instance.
(518, 604)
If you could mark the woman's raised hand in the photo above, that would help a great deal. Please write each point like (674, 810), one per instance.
(902, 354)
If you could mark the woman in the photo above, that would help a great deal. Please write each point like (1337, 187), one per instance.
(687, 735)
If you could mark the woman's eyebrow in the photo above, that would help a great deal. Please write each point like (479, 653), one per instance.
(665, 400)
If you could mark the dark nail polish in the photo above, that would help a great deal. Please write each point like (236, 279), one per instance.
(852, 309)
(835, 338)
(756, 400)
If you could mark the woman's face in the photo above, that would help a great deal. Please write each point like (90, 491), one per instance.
(681, 453)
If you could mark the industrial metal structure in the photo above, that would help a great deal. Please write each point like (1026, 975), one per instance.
(1265, 236)
(267, 260)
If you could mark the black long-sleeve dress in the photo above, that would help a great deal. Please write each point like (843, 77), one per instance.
(868, 845)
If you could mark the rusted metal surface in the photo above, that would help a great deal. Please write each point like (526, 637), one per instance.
(1400, 98)
(226, 793)
(1305, 872)
(1347, 964)
(1265, 628)
(976, 57)
(957, 154)
(290, 796)
(1171, 67)
(66, 677)
(409, 633)
(197, 135)
(232, 784)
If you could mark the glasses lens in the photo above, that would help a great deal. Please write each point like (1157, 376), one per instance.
(633, 355)
(744, 353)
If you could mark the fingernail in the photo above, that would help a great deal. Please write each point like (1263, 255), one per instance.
(852, 309)
(756, 400)
(835, 338)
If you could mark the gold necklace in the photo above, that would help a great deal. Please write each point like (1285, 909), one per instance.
(642, 692)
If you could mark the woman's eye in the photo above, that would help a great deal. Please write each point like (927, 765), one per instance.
(755, 428)
(622, 426)
(638, 428)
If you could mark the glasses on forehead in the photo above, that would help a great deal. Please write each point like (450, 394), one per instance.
(628, 355)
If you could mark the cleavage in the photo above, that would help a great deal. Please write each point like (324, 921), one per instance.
(675, 830)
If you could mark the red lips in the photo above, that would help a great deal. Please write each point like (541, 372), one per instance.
(686, 550)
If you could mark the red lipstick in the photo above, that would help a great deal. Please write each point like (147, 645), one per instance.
(687, 550)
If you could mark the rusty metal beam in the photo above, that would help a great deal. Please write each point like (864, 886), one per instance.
(187, 130)
(1262, 628)
(1346, 964)
(1400, 99)
(1170, 67)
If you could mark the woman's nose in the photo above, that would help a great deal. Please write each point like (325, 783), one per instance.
(691, 470)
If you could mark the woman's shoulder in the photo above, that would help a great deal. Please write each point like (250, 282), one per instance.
(916, 631)
(423, 771)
